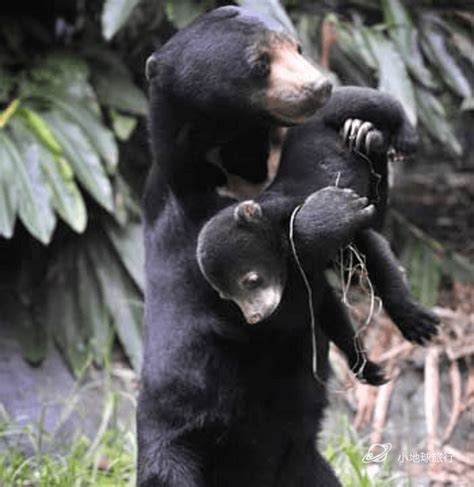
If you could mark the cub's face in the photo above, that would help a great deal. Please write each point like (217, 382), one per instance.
(232, 59)
(243, 257)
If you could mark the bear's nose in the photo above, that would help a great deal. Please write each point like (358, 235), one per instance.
(255, 318)
(320, 91)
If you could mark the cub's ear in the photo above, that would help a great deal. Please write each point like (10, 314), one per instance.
(151, 67)
(155, 68)
(247, 211)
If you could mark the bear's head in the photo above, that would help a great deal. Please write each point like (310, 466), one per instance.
(243, 257)
(234, 61)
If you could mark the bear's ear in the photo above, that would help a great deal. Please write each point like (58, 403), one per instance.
(247, 211)
(155, 68)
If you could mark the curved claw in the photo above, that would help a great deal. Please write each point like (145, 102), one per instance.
(373, 142)
(360, 142)
(346, 129)
(356, 124)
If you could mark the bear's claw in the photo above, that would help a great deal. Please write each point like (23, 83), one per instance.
(363, 137)
(418, 325)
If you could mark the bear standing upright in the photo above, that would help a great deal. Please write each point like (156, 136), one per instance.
(223, 404)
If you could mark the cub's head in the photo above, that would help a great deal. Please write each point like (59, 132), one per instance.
(243, 257)
(233, 59)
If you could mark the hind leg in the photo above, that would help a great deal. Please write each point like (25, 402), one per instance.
(416, 323)
(336, 324)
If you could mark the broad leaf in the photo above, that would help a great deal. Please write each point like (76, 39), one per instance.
(63, 314)
(31, 334)
(41, 129)
(115, 14)
(393, 76)
(272, 9)
(92, 308)
(121, 297)
(183, 12)
(434, 45)
(118, 91)
(83, 158)
(100, 137)
(128, 243)
(123, 126)
(65, 195)
(33, 205)
(405, 36)
(433, 117)
(9, 193)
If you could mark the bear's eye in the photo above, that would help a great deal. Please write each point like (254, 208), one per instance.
(299, 49)
(251, 281)
(261, 67)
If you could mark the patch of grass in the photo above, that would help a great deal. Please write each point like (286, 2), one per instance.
(30, 456)
(110, 462)
(345, 450)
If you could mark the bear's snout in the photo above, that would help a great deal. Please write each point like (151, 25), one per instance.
(296, 88)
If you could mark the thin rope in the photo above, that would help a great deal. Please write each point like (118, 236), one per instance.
(310, 295)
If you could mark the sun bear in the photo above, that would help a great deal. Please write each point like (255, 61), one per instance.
(334, 147)
(222, 403)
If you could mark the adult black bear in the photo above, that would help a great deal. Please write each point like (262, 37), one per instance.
(240, 259)
(222, 403)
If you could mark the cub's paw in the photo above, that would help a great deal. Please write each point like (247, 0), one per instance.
(417, 324)
(372, 373)
(363, 137)
(328, 220)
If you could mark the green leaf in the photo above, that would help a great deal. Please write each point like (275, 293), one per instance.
(115, 14)
(63, 314)
(9, 194)
(462, 40)
(92, 309)
(393, 76)
(123, 126)
(83, 158)
(434, 120)
(128, 243)
(30, 333)
(118, 91)
(183, 12)
(355, 43)
(40, 129)
(34, 207)
(8, 113)
(65, 195)
(434, 45)
(100, 137)
(405, 36)
(59, 74)
(121, 297)
(272, 9)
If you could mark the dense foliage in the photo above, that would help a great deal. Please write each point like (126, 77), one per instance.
(71, 159)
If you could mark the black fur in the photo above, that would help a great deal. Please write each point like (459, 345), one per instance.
(314, 156)
(221, 404)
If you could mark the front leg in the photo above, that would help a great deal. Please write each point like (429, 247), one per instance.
(327, 221)
(380, 109)
(416, 323)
